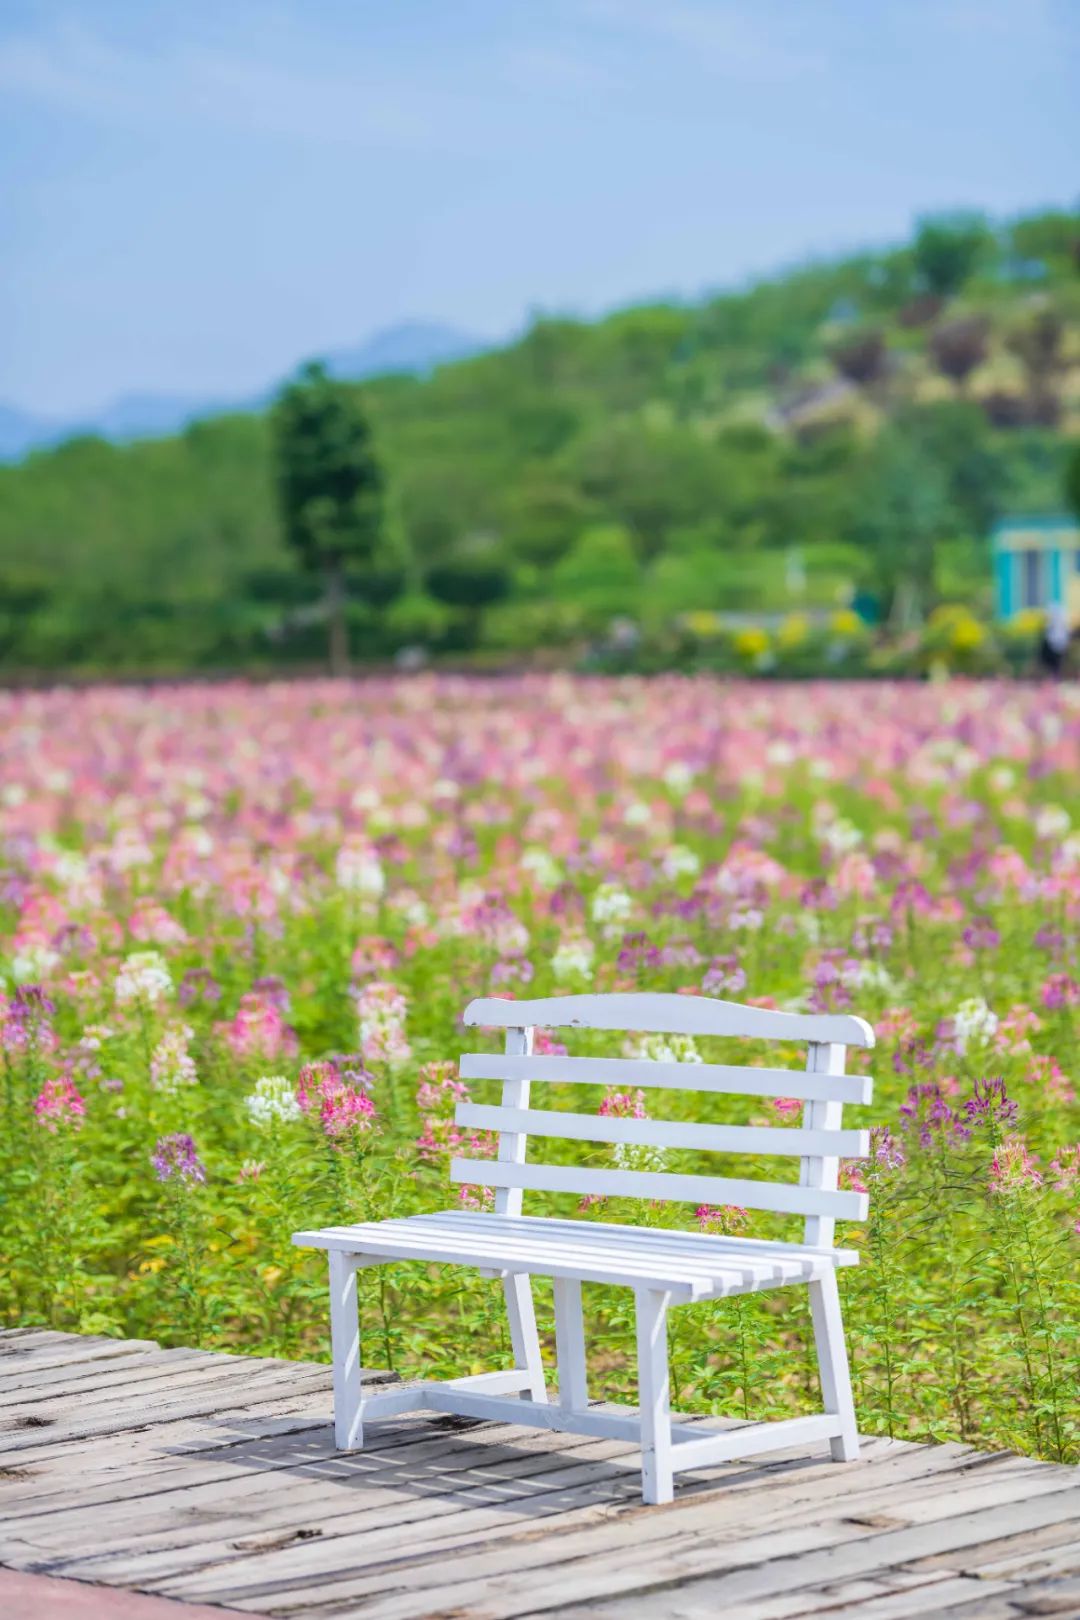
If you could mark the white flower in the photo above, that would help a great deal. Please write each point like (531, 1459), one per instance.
(868, 975)
(32, 961)
(273, 1098)
(678, 776)
(543, 867)
(611, 904)
(573, 957)
(679, 861)
(171, 1064)
(1002, 778)
(664, 1048)
(841, 836)
(973, 1021)
(359, 871)
(637, 813)
(1052, 821)
(143, 976)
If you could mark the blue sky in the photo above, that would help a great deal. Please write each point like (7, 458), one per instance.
(196, 195)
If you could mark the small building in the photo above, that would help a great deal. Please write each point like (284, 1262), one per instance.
(1036, 564)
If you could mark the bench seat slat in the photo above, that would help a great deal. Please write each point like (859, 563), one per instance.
(781, 1197)
(732, 1079)
(534, 1245)
(642, 1237)
(782, 1140)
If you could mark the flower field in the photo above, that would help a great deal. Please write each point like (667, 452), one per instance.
(239, 924)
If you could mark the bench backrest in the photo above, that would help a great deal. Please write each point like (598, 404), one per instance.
(819, 1143)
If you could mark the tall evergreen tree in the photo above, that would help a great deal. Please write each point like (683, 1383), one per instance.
(330, 489)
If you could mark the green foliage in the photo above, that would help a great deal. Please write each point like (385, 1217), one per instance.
(1072, 480)
(330, 488)
(948, 248)
(720, 438)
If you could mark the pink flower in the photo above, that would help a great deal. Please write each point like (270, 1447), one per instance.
(259, 1030)
(623, 1105)
(374, 954)
(477, 1198)
(724, 1220)
(545, 1046)
(788, 1108)
(852, 1177)
(380, 1011)
(1065, 1167)
(342, 1107)
(1013, 1167)
(59, 1103)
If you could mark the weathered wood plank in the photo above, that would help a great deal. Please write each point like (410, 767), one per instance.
(200, 1477)
(725, 1517)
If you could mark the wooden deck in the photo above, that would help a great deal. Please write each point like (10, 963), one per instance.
(213, 1479)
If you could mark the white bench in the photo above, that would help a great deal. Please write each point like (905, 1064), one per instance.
(664, 1268)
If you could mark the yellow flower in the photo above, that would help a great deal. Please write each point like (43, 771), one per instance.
(967, 634)
(846, 623)
(752, 642)
(794, 630)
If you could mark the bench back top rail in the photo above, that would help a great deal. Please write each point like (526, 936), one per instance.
(640, 1144)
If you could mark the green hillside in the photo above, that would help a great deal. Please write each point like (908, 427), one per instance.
(853, 425)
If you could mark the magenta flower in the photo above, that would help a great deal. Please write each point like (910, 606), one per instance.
(340, 1100)
(259, 1030)
(175, 1157)
(59, 1103)
(1060, 990)
(724, 1220)
(623, 1105)
(787, 1109)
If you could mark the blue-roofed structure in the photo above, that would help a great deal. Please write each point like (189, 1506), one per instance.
(1036, 564)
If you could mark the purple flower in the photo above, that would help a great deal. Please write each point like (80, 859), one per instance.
(25, 1020)
(990, 1103)
(175, 1155)
(724, 973)
(981, 935)
(885, 1151)
(198, 984)
(926, 1111)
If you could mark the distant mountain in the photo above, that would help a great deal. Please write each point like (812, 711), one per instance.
(20, 432)
(414, 347)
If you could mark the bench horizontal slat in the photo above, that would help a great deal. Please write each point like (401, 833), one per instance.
(719, 1077)
(777, 1140)
(689, 1265)
(641, 1238)
(667, 1013)
(780, 1197)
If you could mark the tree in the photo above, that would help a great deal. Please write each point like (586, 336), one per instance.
(902, 512)
(959, 346)
(1072, 480)
(948, 248)
(860, 357)
(330, 489)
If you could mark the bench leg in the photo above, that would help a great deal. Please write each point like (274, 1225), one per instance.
(657, 1479)
(570, 1344)
(345, 1344)
(833, 1365)
(523, 1335)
